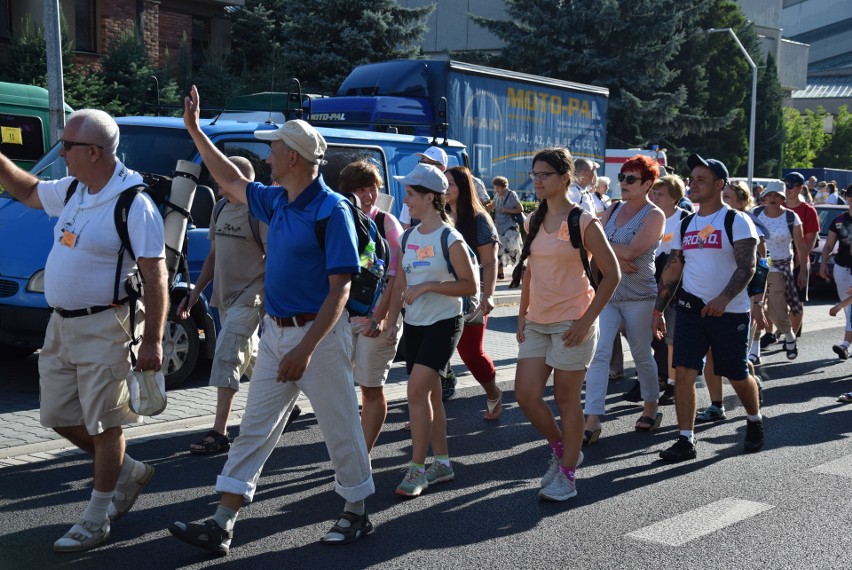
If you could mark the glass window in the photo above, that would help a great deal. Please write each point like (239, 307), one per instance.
(84, 25)
(255, 151)
(200, 40)
(5, 18)
(21, 137)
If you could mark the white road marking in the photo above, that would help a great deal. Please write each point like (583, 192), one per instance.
(678, 530)
(841, 467)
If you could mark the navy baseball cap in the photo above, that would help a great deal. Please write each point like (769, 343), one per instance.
(716, 166)
(794, 178)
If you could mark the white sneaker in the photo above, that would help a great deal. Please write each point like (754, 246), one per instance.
(559, 489)
(126, 494)
(553, 469)
(83, 536)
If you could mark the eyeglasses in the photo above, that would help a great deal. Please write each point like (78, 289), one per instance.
(541, 176)
(67, 145)
(629, 178)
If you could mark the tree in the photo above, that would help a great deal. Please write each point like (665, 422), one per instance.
(126, 72)
(627, 47)
(805, 137)
(837, 151)
(320, 41)
(769, 131)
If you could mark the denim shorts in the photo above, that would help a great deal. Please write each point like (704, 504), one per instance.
(727, 335)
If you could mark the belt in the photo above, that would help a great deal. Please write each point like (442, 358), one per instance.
(80, 312)
(294, 321)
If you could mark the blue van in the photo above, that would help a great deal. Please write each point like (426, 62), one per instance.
(154, 144)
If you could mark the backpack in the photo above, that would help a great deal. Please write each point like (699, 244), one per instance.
(254, 223)
(470, 303)
(791, 217)
(577, 241)
(368, 283)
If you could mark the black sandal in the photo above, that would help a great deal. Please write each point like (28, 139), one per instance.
(647, 423)
(359, 525)
(219, 444)
(209, 536)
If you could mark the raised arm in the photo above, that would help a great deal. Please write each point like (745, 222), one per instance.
(19, 183)
(232, 182)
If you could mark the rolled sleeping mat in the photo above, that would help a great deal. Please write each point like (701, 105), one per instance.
(177, 211)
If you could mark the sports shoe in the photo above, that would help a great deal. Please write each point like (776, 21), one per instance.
(634, 394)
(754, 359)
(754, 436)
(553, 468)
(414, 483)
(448, 383)
(667, 395)
(83, 536)
(767, 339)
(559, 488)
(126, 494)
(710, 414)
(438, 473)
(682, 450)
(841, 351)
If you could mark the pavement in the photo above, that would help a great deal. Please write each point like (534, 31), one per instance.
(190, 409)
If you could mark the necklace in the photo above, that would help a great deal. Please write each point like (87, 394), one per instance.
(712, 224)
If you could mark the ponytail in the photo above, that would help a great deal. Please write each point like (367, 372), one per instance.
(536, 219)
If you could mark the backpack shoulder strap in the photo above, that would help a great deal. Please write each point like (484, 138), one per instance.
(323, 213)
(380, 223)
(730, 216)
(254, 226)
(217, 209)
(683, 213)
(404, 240)
(791, 219)
(684, 223)
(71, 190)
(121, 215)
(759, 210)
(445, 249)
(576, 235)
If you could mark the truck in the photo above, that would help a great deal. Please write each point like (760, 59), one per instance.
(24, 122)
(503, 117)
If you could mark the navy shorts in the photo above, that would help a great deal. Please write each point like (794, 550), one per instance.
(726, 335)
(431, 345)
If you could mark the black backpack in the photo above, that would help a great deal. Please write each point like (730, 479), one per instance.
(366, 285)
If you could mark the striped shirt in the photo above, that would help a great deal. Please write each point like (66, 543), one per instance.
(639, 286)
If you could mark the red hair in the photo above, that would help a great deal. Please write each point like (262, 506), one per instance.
(645, 165)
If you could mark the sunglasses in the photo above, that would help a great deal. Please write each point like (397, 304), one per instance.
(68, 145)
(789, 185)
(629, 178)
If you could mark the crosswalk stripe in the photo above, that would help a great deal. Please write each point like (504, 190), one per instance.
(841, 467)
(680, 529)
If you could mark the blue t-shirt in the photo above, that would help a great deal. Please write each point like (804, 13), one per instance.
(297, 269)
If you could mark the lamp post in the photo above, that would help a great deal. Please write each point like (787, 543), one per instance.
(753, 97)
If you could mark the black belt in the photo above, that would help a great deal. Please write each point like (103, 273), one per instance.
(80, 312)
(294, 321)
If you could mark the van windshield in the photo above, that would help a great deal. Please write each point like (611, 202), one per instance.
(145, 149)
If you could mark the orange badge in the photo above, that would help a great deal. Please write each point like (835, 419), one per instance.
(425, 253)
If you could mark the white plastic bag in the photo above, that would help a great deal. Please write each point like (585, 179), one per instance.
(147, 392)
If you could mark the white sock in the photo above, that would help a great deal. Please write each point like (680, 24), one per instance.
(845, 344)
(96, 510)
(789, 337)
(758, 417)
(126, 470)
(225, 517)
(356, 507)
(689, 434)
(671, 381)
(755, 348)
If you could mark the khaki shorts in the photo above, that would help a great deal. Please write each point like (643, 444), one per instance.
(83, 369)
(545, 341)
(236, 346)
(372, 357)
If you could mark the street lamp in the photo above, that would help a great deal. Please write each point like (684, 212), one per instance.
(753, 97)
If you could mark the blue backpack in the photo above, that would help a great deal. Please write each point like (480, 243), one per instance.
(368, 284)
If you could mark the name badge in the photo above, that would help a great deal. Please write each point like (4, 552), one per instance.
(425, 253)
(69, 239)
(667, 237)
(705, 232)
(562, 234)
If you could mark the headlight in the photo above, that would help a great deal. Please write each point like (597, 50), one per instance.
(36, 282)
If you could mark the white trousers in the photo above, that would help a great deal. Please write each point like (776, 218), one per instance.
(328, 384)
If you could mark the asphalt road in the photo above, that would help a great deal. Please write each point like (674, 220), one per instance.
(785, 507)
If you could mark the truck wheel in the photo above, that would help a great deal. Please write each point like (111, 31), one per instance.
(12, 352)
(180, 350)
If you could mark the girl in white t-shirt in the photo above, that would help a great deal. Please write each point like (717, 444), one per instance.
(433, 319)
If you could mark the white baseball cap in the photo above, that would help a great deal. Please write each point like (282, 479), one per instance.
(301, 137)
(435, 154)
(425, 175)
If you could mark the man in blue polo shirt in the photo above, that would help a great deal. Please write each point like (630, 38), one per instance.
(307, 341)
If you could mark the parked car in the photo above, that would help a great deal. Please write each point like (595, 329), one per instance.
(153, 145)
(827, 213)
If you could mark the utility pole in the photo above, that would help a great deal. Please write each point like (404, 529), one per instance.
(55, 87)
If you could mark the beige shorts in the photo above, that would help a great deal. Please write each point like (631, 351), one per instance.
(545, 341)
(236, 346)
(83, 369)
(372, 357)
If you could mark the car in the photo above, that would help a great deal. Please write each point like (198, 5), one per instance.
(154, 145)
(827, 214)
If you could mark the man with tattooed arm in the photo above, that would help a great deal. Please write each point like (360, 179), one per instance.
(712, 258)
